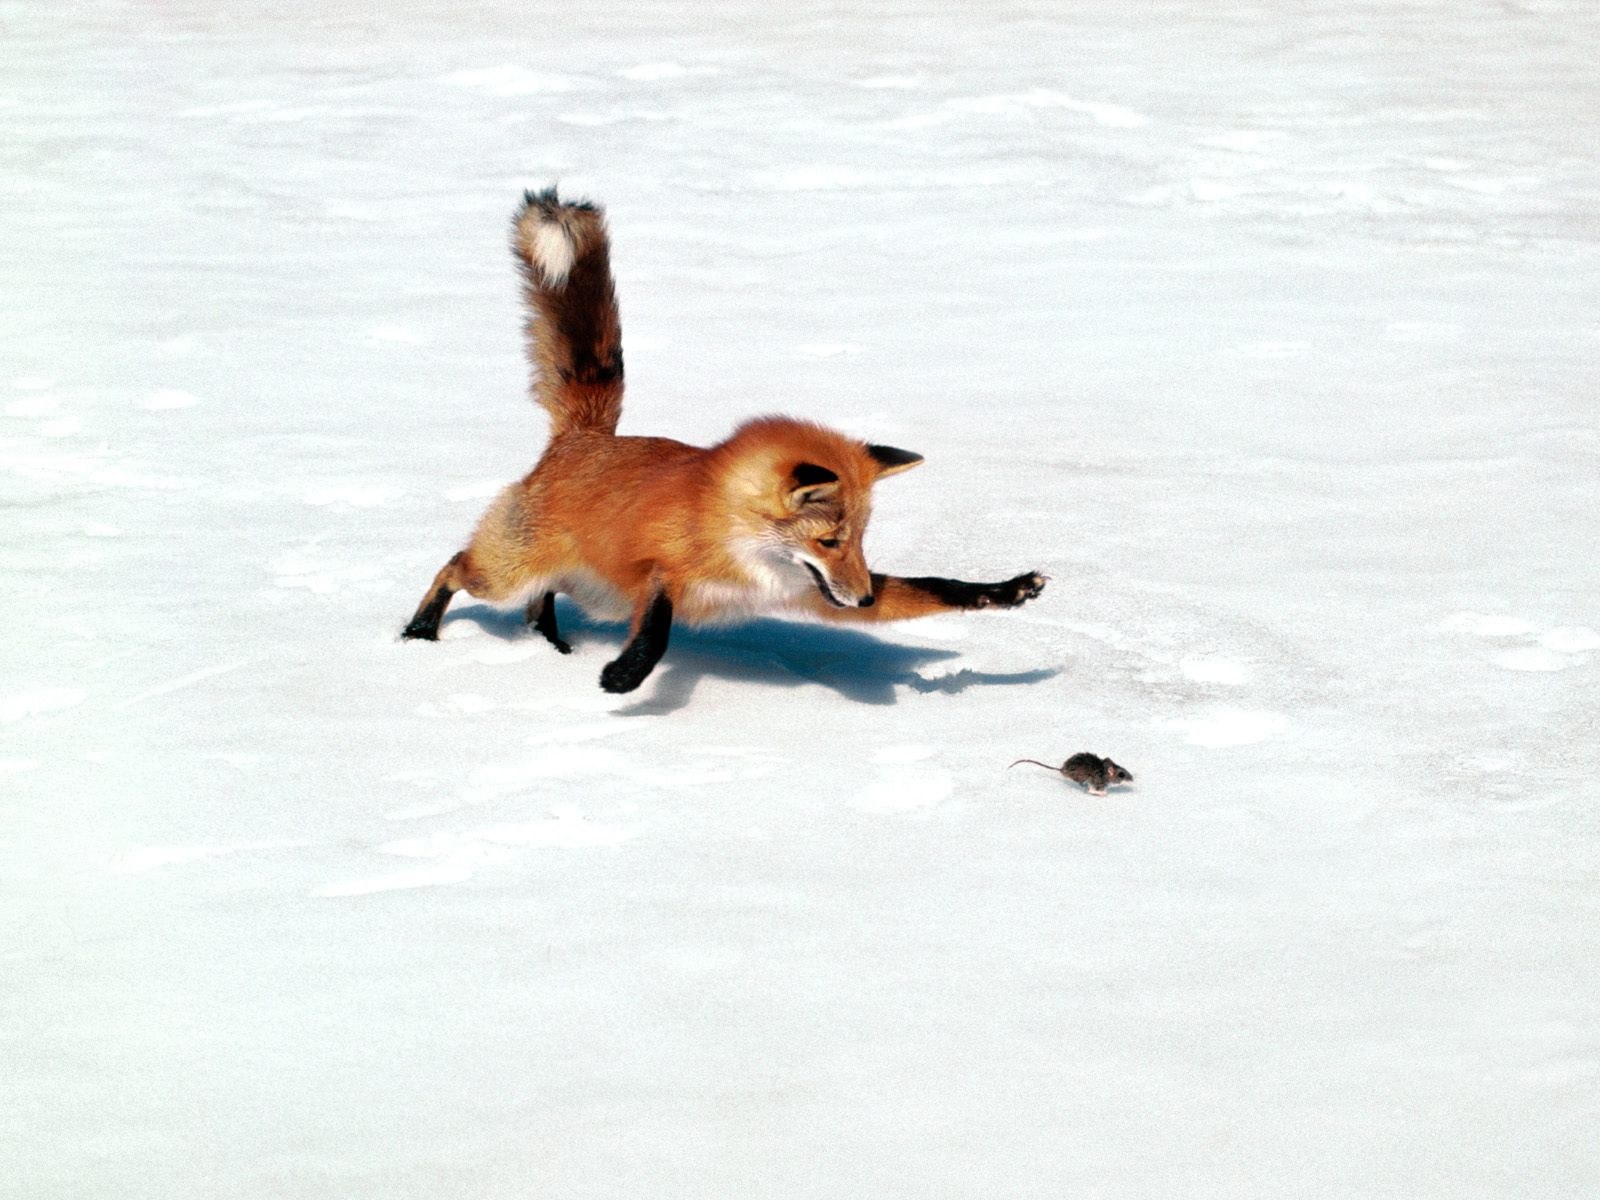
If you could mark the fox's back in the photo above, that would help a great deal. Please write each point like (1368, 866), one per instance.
(615, 500)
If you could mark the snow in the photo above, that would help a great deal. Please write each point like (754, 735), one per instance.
(1268, 332)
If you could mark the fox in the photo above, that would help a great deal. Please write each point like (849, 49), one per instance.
(652, 530)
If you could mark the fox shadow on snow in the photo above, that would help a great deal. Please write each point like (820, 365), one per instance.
(857, 665)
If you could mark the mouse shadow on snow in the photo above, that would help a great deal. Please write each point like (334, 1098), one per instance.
(859, 666)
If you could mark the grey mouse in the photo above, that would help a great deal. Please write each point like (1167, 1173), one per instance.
(1094, 772)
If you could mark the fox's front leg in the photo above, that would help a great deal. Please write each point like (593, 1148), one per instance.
(898, 599)
(639, 657)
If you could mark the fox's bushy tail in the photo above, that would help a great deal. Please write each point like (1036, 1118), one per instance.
(574, 332)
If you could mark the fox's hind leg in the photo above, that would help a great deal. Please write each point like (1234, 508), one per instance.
(425, 621)
(508, 558)
(500, 579)
(541, 615)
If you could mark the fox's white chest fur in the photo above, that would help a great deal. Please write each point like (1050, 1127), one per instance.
(772, 581)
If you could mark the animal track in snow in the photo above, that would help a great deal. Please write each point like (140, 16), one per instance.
(1244, 141)
(308, 572)
(509, 79)
(829, 349)
(483, 490)
(1485, 185)
(584, 731)
(493, 781)
(150, 858)
(1113, 116)
(500, 653)
(1025, 105)
(1271, 350)
(905, 790)
(353, 495)
(902, 786)
(818, 178)
(1570, 639)
(460, 704)
(653, 72)
(400, 335)
(1488, 626)
(460, 631)
(458, 856)
(239, 761)
(1532, 658)
(1213, 669)
(233, 108)
(599, 120)
(1421, 331)
(168, 399)
(944, 628)
(1226, 725)
(565, 828)
(92, 468)
(34, 404)
(1553, 649)
(21, 705)
(455, 870)
(189, 680)
(897, 83)
(181, 346)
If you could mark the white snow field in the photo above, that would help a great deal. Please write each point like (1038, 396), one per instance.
(1268, 331)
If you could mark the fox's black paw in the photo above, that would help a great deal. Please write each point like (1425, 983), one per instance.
(619, 676)
(420, 631)
(1011, 593)
(563, 646)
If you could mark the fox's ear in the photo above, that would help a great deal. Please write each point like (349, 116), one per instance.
(892, 461)
(809, 483)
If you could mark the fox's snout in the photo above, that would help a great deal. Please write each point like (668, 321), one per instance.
(835, 591)
(844, 582)
(852, 578)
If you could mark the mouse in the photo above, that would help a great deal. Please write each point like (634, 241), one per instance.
(1094, 772)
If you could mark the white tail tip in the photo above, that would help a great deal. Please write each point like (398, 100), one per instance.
(552, 251)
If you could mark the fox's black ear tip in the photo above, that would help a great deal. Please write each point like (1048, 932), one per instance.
(892, 458)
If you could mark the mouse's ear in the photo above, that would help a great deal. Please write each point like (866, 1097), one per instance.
(890, 460)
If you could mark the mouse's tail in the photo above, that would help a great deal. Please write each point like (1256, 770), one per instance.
(1035, 762)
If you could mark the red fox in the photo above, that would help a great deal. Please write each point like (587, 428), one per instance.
(650, 529)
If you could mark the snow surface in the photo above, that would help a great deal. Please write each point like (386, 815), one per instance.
(1268, 331)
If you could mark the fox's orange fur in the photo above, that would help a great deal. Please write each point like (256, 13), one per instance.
(652, 529)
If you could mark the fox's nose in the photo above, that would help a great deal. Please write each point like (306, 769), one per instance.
(866, 601)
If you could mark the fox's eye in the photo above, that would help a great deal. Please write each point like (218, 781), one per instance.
(830, 543)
